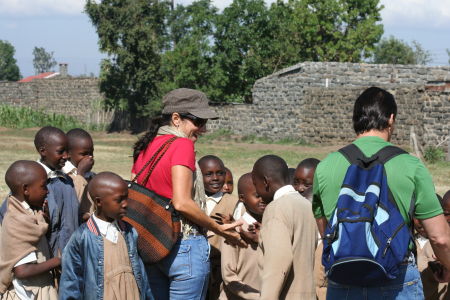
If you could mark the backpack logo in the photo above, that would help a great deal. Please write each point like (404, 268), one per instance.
(366, 238)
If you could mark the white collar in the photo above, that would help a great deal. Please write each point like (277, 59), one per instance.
(69, 168)
(216, 197)
(108, 230)
(51, 173)
(283, 191)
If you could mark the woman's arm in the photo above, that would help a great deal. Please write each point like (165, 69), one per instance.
(32, 269)
(182, 202)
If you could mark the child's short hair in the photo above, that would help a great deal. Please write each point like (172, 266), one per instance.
(43, 135)
(211, 157)
(75, 134)
(309, 163)
(21, 172)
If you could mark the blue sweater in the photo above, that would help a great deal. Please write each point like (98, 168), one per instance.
(83, 264)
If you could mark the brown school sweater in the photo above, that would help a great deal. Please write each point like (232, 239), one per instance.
(225, 206)
(432, 289)
(288, 240)
(240, 272)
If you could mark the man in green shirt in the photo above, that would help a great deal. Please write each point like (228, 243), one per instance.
(373, 121)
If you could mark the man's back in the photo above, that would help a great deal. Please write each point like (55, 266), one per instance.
(408, 180)
(288, 240)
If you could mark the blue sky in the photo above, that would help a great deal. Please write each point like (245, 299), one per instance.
(61, 27)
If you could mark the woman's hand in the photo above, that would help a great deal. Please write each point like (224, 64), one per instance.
(231, 236)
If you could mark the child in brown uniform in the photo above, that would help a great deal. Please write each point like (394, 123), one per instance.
(25, 263)
(80, 150)
(101, 260)
(228, 185)
(288, 234)
(240, 265)
(432, 289)
(217, 203)
(303, 183)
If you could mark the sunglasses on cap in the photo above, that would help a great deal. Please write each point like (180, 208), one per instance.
(198, 122)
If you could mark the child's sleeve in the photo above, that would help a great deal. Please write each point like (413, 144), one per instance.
(231, 280)
(71, 284)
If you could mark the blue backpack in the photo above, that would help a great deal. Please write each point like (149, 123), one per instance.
(366, 238)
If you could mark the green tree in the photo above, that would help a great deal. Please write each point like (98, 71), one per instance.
(131, 33)
(8, 65)
(43, 61)
(336, 30)
(395, 51)
(241, 48)
(188, 60)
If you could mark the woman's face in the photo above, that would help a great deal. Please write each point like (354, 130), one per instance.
(191, 128)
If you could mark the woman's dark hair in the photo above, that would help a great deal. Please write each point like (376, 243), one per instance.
(373, 109)
(146, 139)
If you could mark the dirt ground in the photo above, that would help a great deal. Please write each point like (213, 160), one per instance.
(113, 153)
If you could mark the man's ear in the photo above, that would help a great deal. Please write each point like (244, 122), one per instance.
(391, 120)
(266, 182)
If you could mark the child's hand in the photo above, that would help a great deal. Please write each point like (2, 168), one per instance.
(223, 219)
(85, 165)
(46, 212)
(441, 274)
(231, 236)
(252, 235)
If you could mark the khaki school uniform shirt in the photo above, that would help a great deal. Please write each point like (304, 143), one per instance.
(432, 289)
(79, 182)
(288, 240)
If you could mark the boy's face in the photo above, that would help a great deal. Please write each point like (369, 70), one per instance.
(213, 176)
(83, 148)
(54, 153)
(112, 205)
(419, 228)
(36, 192)
(261, 187)
(252, 201)
(228, 185)
(303, 179)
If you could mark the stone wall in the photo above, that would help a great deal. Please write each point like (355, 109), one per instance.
(76, 97)
(313, 102)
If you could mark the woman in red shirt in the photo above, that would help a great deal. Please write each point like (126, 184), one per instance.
(184, 273)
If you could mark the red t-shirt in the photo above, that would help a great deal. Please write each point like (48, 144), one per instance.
(181, 152)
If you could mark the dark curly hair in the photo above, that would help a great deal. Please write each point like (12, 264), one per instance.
(148, 137)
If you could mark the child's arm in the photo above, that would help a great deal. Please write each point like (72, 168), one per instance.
(72, 282)
(231, 280)
(32, 269)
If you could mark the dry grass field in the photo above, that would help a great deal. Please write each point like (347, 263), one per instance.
(113, 153)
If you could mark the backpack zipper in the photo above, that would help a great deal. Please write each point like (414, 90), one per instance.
(389, 240)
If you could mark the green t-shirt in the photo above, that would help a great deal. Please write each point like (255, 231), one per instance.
(406, 176)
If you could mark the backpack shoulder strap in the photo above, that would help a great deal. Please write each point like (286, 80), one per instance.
(388, 152)
(352, 153)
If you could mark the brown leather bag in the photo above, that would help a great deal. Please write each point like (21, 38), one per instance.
(152, 215)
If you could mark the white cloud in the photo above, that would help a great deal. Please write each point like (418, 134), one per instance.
(41, 7)
(416, 13)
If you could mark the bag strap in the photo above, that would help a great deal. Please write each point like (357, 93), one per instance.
(154, 160)
(356, 157)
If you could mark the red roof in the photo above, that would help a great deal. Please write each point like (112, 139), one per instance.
(39, 76)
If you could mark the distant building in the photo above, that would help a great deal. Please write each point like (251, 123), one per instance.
(47, 75)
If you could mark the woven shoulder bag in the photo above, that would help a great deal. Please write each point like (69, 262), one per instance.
(152, 215)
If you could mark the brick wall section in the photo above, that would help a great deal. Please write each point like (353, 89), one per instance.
(69, 96)
(297, 103)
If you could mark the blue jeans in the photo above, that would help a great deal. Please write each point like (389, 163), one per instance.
(184, 273)
(407, 286)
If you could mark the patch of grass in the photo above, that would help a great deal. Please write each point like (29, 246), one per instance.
(433, 154)
(221, 134)
(25, 117)
(113, 153)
